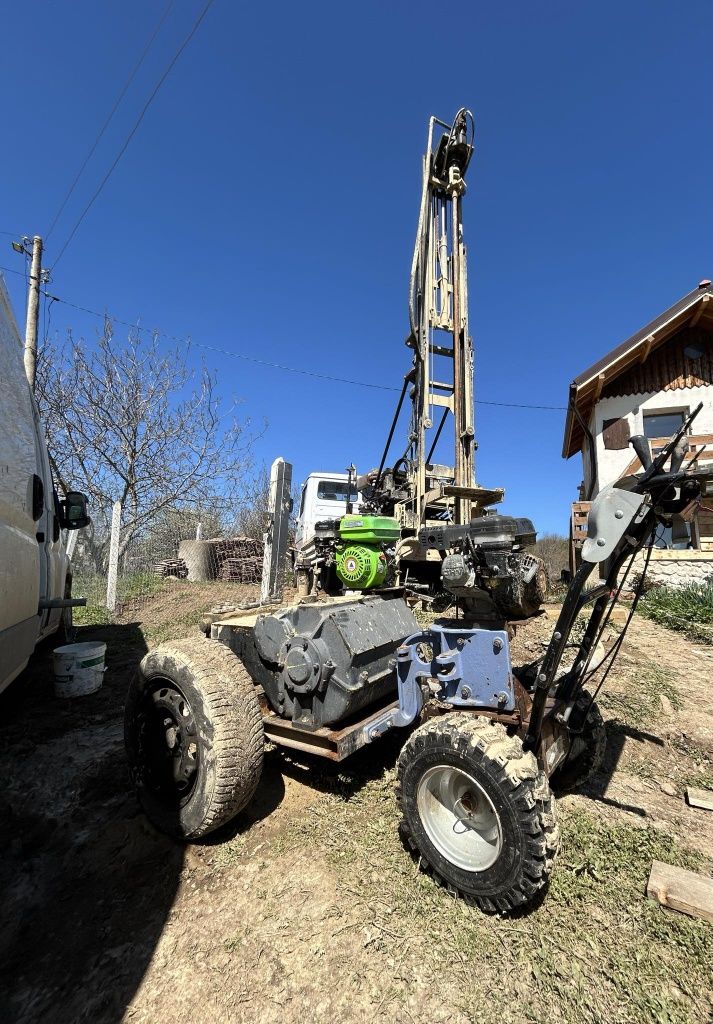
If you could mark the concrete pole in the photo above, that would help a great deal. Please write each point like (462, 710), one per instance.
(113, 557)
(33, 312)
(277, 534)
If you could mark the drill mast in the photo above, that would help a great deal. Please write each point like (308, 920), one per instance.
(440, 382)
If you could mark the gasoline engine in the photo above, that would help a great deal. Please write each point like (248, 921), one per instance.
(354, 552)
(486, 567)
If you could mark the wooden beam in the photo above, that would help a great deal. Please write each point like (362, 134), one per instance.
(702, 798)
(598, 388)
(646, 348)
(681, 890)
(699, 312)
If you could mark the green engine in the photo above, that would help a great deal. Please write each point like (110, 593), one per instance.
(361, 562)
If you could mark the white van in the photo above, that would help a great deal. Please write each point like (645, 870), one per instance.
(35, 579)
(324, 496)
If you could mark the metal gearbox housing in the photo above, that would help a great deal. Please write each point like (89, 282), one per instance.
(319, 663)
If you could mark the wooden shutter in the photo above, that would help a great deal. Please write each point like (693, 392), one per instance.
(616, 434)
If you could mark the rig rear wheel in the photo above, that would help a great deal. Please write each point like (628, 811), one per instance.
(194, 736)
(477, 810)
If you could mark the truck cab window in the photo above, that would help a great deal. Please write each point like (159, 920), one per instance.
(334, 490)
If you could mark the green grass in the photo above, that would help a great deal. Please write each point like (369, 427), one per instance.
(139, 584)
(91, 615)
(641, 703)
(688, 610)
(596, 950)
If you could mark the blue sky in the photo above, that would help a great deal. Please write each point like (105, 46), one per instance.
(267, 204)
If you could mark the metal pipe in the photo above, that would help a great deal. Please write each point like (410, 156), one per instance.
(592, 449)
(438, 434)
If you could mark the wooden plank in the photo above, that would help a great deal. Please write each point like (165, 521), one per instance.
(681, 890)
(700, 798)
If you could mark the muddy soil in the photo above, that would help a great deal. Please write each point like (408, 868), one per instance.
(306, 907)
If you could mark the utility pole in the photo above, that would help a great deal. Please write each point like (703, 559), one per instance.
(33, 312)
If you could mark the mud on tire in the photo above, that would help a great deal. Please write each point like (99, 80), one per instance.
(194, 736)
(493, 788)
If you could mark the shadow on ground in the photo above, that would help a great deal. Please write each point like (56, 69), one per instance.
(86, 884)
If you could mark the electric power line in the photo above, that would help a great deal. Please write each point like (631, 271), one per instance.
(113, 110)
(273, 365)
(9, 270)
(135, 128)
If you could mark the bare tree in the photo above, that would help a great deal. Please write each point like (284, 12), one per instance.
(253, 516)
(127, 421)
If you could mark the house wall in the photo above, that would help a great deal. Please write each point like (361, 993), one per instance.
(676, 568)
(611, 464)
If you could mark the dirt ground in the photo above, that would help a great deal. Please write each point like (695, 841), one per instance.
(307, 907)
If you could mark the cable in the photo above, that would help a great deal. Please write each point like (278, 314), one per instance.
(267, 362)
(264, 362)
(104, 127)
(9, 270)
(133, 131)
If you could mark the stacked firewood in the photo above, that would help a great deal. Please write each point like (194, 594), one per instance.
(171, 567)
(241, 570)
(239, 559)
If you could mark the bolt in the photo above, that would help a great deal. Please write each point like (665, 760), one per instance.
(502, 697)
(557, 636)
(541, 678)
(497, 644)
(601, 542)
(618, 514)
(460, 642)
(465, 692)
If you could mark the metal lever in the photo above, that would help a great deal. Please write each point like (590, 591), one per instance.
(641, 446)
(678, 455)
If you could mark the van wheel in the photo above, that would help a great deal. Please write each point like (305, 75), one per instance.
(194, 736)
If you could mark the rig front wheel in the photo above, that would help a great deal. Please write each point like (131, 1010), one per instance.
(477, 810)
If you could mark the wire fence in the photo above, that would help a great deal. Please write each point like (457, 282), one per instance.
(123, 572)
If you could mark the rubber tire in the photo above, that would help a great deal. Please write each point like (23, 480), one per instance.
(230, 734)
(576, 771)
(519, 793)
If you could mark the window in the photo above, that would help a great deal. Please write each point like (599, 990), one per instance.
(662, 424)
(682, 539)
(334, 490)
(616, 434)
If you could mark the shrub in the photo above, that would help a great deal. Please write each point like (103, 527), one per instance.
(553, 549)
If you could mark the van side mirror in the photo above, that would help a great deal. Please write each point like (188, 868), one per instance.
(74, 511)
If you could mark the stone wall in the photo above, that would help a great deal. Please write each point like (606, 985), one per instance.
(676, 568)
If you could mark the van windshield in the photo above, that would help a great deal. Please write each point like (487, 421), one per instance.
(334, 490)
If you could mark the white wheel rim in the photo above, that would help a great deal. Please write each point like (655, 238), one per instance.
(459, 818)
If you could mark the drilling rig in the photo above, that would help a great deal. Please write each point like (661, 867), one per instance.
(416, 490)
(337, 669)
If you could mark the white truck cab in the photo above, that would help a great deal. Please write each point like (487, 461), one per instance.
(35, 577)
(324, 496)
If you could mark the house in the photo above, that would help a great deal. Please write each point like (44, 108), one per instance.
(647, 385)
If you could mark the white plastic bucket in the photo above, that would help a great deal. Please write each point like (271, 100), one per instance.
(78, 669)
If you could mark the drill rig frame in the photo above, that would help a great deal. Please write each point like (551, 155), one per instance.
(415, 490)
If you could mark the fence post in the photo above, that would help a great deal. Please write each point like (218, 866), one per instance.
(113, 556)
(277, 531)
